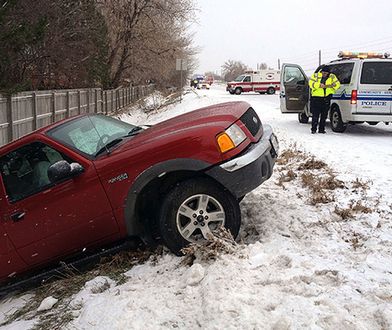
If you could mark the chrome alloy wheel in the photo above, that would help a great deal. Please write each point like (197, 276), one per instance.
(198, 216)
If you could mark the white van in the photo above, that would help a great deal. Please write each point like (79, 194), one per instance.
(365, 94)
(263, 81)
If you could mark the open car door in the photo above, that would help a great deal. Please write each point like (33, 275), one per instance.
(294, 92)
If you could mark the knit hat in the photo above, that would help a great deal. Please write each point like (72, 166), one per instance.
(326, 68)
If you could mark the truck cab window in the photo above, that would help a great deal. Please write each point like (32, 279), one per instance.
(247, 79)
(24, 170)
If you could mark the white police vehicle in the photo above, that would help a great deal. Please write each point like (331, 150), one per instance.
(365, 94)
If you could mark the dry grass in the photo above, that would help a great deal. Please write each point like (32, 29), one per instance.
(356, 240)
(221, 242)
(345, 213)
(359, 184)
(72, 281)
(312, 164)
(358, 207)
(286, 176)
(321, 197)
(289, 155)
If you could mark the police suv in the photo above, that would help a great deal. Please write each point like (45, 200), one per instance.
(365, 94)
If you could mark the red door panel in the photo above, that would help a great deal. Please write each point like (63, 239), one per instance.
(57, 220)
(61, 219)
(10, 262)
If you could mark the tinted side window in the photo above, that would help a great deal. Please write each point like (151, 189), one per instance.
(24, 170)
(377, 73)
(247, 79)
(343, 71)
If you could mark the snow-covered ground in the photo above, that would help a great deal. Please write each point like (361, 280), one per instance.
(297, 265)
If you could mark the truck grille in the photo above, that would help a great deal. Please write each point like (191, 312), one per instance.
(251, 120)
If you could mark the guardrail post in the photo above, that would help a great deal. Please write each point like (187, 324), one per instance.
(79, 106)
(96, 101)
(9, 118)
(34, 108)
(53, 107)
(111, 100)
(88, 100)
(68, 113)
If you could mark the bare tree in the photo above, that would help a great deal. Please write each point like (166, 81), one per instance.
(231, 69)
(146, 36)
(262, 66)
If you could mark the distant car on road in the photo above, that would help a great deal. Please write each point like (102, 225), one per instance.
(203, 84)
(92, 180)
(195, 80)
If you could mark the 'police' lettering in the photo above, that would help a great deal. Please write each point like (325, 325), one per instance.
(376, 103)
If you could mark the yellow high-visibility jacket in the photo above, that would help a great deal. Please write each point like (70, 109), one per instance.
(315, 81)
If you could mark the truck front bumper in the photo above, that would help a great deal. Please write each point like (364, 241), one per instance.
(242, 174)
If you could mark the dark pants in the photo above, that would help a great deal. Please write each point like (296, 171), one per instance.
(319, 107)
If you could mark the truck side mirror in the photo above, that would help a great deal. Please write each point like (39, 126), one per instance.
(63, 170)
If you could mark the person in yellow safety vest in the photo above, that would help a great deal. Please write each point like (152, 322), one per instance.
(323, 85)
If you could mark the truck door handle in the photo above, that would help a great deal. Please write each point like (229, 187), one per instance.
(17, 216)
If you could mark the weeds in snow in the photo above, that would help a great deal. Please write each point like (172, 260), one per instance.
(344, 213)
(222, 242)
(312, 164)
(72, 281)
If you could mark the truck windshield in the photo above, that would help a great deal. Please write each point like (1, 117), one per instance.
(91, 133)
(239, 78)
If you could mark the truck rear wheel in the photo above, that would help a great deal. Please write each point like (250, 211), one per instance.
(337, 124)
(238, 90)
(193, 209)
(271, 90)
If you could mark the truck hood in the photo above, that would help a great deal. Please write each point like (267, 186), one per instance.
(219, 116)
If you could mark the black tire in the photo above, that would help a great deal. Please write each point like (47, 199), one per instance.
(238, 91)
(271, 90)
(188, 192)
(335, 118)
(372, 123)
(231, 92)
(303, 118)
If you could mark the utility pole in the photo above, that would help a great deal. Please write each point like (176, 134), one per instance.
(320, 57)
(278, 63)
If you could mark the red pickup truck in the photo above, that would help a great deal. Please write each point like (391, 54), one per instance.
(93, 180)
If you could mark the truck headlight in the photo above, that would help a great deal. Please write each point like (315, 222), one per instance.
(230, 138)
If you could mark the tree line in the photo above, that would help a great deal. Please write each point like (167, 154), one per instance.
(93, 43)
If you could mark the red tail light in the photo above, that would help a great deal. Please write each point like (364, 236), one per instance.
(354, 96)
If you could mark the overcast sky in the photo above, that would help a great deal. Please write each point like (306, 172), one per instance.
(256, 31)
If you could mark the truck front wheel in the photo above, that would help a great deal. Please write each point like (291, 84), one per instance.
(303, 118)
(337, 124)
(193, 210)
(238, 91)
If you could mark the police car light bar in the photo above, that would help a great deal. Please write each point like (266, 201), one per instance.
(362, 55)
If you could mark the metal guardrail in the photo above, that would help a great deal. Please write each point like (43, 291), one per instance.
(25, 112)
